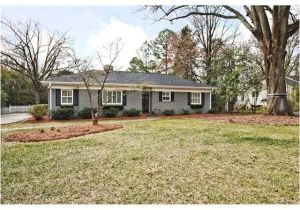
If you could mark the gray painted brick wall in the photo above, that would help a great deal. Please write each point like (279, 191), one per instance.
(134, 100)
(180, 102)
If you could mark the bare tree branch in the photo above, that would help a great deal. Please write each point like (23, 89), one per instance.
(31, 52)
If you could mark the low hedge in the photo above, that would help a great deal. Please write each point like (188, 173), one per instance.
(131, 112)
(185, 111)
(85, 113)
(168, 112)
(62, 113)
(111, 112)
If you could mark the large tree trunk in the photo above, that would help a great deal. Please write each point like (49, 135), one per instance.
(276, 90)
(273, 48)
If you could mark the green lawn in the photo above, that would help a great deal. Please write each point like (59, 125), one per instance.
(156, 161)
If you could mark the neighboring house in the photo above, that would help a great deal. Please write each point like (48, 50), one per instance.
(260, 98)
(292, 88)
(148, 92)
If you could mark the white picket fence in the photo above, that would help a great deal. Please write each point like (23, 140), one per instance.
(15, 109)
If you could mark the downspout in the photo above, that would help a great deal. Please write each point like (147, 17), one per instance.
(50, 98)
(210, 100)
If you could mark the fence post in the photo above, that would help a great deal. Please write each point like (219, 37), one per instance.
(9, 109)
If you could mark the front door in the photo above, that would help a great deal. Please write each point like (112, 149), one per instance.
(145, 102)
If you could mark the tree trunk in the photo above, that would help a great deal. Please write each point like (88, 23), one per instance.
(95, 121)
(37, 94)
(100, 106)
(277, 96)
(273, 47)
(94, 118)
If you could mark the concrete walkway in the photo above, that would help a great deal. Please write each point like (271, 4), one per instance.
(12, 118)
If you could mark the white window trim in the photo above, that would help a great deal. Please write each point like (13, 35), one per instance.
(162, 97)
(61, 97)
(112, 104)
(200, 98)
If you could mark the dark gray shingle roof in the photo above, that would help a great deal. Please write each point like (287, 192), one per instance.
(123, 77)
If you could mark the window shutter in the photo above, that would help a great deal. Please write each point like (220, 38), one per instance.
(203, 98)
(160, 96)
(189, 98)
(172, 96)
(124, 98)
(75, 97)
(58, 97)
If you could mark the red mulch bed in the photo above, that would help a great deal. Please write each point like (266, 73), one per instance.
(59, 133)
(46, 119)
(243, 118)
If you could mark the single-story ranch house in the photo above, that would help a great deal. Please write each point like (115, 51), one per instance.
(148, 92)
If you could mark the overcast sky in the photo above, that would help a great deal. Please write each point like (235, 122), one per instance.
(92, 26)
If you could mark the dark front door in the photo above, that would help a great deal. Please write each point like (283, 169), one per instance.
(145, 102)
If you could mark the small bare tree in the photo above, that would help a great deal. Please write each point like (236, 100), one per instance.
(33, 53)
(107, 56)
(83, 67)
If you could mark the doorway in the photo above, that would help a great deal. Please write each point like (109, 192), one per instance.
(145, 102)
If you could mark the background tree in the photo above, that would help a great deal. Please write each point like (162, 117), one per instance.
(213, 33)
(18, 89)
(164, 47)
(145, 60)
(291, 64)
(32, 52)
(271, 27)
(238, 75)
(63, 72)
(185, 62)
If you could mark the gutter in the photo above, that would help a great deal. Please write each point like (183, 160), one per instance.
(131, 85)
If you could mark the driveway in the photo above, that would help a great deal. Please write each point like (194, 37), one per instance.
(11, 118)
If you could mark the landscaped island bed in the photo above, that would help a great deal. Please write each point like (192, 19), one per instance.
(59, 133)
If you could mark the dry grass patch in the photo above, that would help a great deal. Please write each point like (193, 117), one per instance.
(245, 118)
(157, 161)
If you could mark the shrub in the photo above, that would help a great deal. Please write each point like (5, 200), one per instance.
(198, 111)
(212, 111)
(262, 109)
(62, 113)
(185, 111)
(111, 112)
(86, 113)
(38, 111)
(119, 107)
(168, 112)
(131, 112)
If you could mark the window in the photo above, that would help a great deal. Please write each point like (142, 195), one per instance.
(166, 96)
(112, 97)
(66, 97)
(195, 98)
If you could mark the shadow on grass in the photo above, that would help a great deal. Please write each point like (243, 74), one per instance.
(266, 140)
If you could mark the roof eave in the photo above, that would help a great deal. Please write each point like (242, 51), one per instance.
(131, 85)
